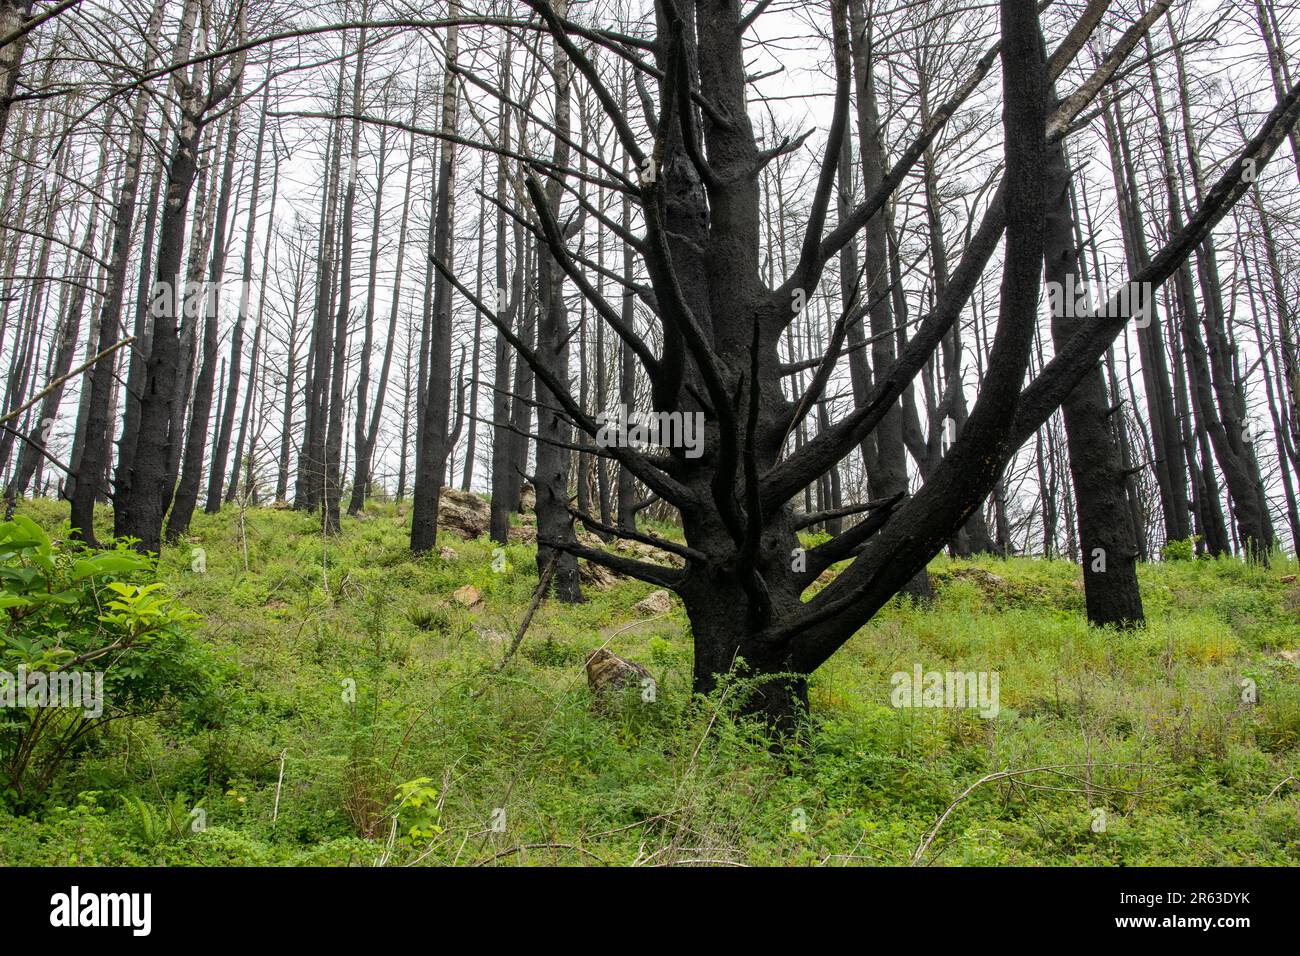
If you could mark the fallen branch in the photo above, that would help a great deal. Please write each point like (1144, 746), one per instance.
(523, 627)
(541, 846)
(59, 381)
(1272, 793)
(1001, 775)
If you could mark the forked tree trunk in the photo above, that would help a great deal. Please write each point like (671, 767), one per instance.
(744, 580)
(141, 514)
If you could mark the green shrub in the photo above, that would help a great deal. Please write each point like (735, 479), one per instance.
(85, 641)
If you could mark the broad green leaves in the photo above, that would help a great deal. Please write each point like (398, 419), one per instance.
(69, 613)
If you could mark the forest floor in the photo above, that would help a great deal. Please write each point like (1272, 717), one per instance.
(1157, 757)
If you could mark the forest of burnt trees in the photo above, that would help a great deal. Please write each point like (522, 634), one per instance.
(278, 254)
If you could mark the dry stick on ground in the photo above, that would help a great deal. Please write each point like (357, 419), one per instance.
(59, 381)
(523, 627)
(541, 846)
(1274, 791)
(1002, 775)
(694, 862)
(538, 740)
(690, 768)
(275, 812)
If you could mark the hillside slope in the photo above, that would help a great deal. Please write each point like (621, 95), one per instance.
(1157, 757)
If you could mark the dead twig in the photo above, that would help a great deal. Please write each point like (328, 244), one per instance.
(523, 627)
(540, 846)
(990, 778)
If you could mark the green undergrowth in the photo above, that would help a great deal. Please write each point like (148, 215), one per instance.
(359, 719)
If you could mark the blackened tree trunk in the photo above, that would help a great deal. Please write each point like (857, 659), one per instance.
(625, 490)
(404, 440)
(952, 407)
(143, 509)
(888, 478)
(435, 442)
(310, 478)
(193, 305)
(554, 434)
(33, 451)
(256, 367)
(366, 438)
(1106, 534)
(338, 370)
(521, 408)
(1266, 18)
(471, 439)
(1090, 265)
(1288, 458)
(196, 439)
(361, 464)
(13, 15)
(94, 453)
(1170, 460)
(290, 379)
(506, 303)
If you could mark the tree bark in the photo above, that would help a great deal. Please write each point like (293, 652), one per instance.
(434, 442)
(221, 446)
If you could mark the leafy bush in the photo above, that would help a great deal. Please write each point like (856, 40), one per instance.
(86, 640)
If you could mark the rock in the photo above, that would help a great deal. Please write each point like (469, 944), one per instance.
(468, 596)
(648, 552)
(656, 602)
(522, 534)
(595, 575)
(987, 580)
(462, 513)
(1288, 579)
(608, 673)
(448, 554)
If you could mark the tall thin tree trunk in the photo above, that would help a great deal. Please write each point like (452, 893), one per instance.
(1106, 535)
(221, 446)
(433, 444)
(146, 497)
(94, 453)
(196, 440)
(554, 434)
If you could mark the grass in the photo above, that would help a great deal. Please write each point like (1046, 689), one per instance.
(353, 671)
